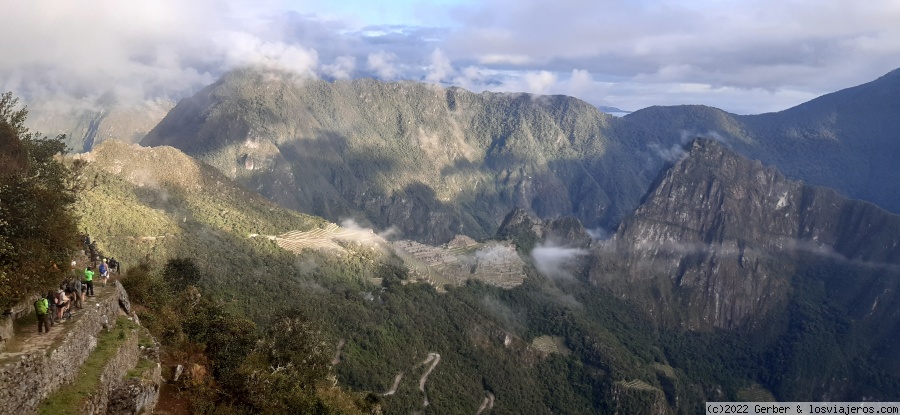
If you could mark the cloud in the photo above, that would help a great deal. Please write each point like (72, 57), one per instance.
(440, 68)
(496, 253)
(598, 234)
(342, 68)
(383, 64)
(243, 49)
(551, 260)
(744, 57)
(671, 154)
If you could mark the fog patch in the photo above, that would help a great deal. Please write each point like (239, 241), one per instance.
(598, 234)
(512, 320)
(390, 232)
(495, 253)
(353, 231)
(551, 260)
(306, 265)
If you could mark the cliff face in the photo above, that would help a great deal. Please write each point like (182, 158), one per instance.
(846, 140)
(718, 239)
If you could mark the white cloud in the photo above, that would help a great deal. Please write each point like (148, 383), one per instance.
(745, 57)
(440, 68)
(552, 260)
(243, 49)
(540, 82)
(383, 64)
(342, 68)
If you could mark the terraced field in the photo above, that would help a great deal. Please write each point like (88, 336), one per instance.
(495, 263)
(550, 344)
(638, 385)
(330, 238)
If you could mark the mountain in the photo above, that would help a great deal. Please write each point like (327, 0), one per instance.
(394, 335)
(714, 235)
(847, 140)
(612, 333)
(438, 162)
(86, 128)
(432, 162)
(723, 242)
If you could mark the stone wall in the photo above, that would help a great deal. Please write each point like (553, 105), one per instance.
(11, 315)
(30, 378)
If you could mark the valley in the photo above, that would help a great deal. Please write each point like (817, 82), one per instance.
(534, 252)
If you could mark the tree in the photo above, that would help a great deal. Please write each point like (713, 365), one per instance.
(37, 229)
(181, 272)
(285, 367)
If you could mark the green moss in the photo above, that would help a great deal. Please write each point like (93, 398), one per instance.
(69, 398)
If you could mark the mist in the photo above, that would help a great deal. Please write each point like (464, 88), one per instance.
(551, 260)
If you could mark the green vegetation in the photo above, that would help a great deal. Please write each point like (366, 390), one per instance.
(70, 398)
(233, 367)
(431, 162)
(37, 229)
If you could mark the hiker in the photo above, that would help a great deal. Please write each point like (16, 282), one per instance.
(41, 307)
(52, 303)
(89, 281)
(104, 272)
(77, 289)
(63, 304)
(114, 264)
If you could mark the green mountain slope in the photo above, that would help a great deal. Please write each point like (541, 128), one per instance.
(493, 342)
(433, 162)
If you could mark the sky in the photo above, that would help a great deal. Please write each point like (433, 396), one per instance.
(746, 57)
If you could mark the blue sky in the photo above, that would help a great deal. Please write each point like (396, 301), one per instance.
(744, 56)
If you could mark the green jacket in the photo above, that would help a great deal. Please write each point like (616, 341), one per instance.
(41, 306)
(88, 275)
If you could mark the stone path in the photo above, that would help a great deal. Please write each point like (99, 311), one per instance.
(27, 339)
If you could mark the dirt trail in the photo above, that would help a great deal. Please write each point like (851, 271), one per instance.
(487, 404)
(337, 354)
(434, 359)
(396, 384)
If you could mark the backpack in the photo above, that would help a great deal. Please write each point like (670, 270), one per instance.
(41, 306)
(102, 269)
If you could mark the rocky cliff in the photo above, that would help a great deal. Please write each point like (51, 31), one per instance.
(846, 140)
(719, 238)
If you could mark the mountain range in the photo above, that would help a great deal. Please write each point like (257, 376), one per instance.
(646, 270)
(437, 162)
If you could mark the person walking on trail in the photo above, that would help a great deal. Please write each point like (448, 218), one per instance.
(41, 307)
(52, 302)
(104, 272)
(63, 305)
(78, 289)
(89, 281)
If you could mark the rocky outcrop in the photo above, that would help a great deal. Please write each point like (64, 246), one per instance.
(715, 242)
(527, 230)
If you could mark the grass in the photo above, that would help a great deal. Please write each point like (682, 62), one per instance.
(144, 364)
(69, 398)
